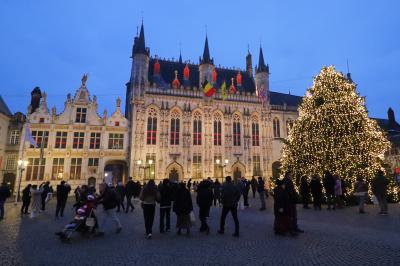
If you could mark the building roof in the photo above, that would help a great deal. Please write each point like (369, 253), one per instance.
(4, 108)
(278, 98)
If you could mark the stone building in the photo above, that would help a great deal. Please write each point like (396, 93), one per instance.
(77, 144)
(180, 132)
(5, 115)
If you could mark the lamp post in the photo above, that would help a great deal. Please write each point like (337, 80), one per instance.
(22, 164)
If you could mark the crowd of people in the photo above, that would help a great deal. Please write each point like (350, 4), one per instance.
(231, 195)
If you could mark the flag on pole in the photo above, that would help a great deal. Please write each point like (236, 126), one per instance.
(28, 136)
(209, 90)
(224, 95)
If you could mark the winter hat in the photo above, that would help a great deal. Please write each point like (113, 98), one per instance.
(90, 197)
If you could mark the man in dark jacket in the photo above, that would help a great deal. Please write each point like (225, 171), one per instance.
(120, 196)
(305, 191)
(165, 205)
(329, 185)
(245, 191)
(108, 197)
(26, 199)
(289, 187)
(253, 186)
(62, 195)
(45, 192)
(129, 192)
(379, 189)
(217, 192)
(204, 201)
(316, 192)
(4, 194)
(230, 196)
(282, 222)
(261, 192)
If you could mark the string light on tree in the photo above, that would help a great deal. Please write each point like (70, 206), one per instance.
(333, 132)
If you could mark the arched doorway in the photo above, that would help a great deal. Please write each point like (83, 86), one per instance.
(9, 179)
(276, 170)
(92, 181)
(238, 170)
(115, 171)
(175, 172)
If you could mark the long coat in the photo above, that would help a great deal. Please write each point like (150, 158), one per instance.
(183, 201)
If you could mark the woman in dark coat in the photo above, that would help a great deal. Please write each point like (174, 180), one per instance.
(204, 201)
(282, 223)
(182, 207)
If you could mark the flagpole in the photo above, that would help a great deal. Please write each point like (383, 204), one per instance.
(20, 167)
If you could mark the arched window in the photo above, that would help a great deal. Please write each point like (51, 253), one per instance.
(255, 131)
(175, 128)
(289, 124)
(276, 128)
(152, 127)
(217, 130)
(197, 128)
(236, 130)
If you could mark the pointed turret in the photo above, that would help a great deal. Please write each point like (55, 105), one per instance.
(206, 54)
(249, 64)
(261, 64)
(140, 45)
(180, 57)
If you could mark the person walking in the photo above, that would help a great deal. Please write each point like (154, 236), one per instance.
(305, 191)
(329, 185)
(62, 191)
(108, 197)
(360, 191)
(121, 196)
(165, 205)
(245, 192)
(217, 192)
(149, 196)
(129, 192)
(230, 196)
(182, 207)
(261, 192)
(254, 183)
(36, 194)
(4, 194)
(26, 199)
(338, 192)
(379, 189)
(316, 192)
(289, 187)
(204, 200)
(45, 193)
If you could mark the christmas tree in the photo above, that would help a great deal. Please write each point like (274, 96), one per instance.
(334, 133)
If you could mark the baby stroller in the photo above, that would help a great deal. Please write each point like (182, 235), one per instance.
(85, 221)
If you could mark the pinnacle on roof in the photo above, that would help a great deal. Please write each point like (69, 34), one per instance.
(206, 54)
(261, 64)
(140, 45)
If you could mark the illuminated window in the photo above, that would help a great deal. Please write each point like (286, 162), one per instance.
(35, 169)
(14, 137)
(197, 128)
(76, 168)
(152, 127)
(217, 130)
(196, 166)
(58, 169)
(236, 130)
(175, 128)
(256, 165)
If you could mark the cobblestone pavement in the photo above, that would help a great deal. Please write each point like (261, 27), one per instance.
(341, 237)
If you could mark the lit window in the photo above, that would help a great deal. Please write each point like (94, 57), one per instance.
(236, 130)
(14, 137)
(256, 165)
(152, 127)
(197, 171)
(175, 128)
(217, 130)
(58, 169)
(11, 163)
(76, 168)
(35, 169)
(197, 128)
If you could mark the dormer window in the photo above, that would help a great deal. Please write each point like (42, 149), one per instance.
(41, 120)
(80, 115)
(117, 123)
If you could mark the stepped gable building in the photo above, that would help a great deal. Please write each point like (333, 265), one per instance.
(77, 145)
(179, 132)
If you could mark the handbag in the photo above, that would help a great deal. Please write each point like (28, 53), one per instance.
(90, 221)
(192, 218)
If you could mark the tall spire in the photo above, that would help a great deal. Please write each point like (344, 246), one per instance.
(206, 54)
(140, 45)
(261, 64)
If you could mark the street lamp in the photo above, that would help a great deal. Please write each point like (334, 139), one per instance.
(22, 164)
(144, 167)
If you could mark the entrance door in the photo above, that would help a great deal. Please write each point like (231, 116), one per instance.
(9, 179)
(173, 175)
(237, 174)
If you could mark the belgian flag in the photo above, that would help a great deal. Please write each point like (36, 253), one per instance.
(208, 88)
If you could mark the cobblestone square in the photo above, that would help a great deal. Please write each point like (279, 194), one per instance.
(341, 237)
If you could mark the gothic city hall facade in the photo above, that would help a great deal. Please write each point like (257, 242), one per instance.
(181, 121)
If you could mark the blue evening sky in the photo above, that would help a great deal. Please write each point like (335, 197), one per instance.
(52, 43)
